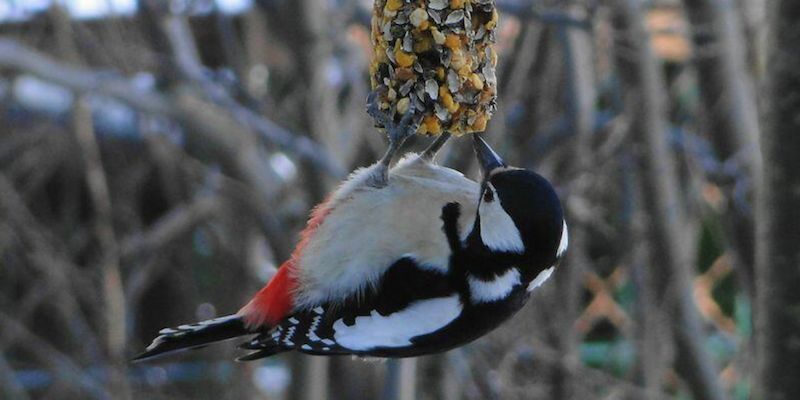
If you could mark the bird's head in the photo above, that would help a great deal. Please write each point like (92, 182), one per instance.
(519, 213)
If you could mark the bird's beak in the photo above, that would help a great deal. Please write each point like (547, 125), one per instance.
(487, 157)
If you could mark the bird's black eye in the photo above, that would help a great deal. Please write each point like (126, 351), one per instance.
(488, 195)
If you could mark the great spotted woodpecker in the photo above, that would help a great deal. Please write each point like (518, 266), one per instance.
(428, 262)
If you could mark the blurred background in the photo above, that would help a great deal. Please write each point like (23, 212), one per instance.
(158, 158)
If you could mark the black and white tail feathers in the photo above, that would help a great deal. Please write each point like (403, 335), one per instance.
(195, 335)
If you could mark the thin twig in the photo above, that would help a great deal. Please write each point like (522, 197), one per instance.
(113, 307)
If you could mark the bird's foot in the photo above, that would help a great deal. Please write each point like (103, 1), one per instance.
(430, 153)
(396, 132)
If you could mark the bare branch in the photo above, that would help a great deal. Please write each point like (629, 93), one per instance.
(643, 84)
(18, 57)
(113, 306)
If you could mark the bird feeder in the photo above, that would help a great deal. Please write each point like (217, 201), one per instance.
(437, 58)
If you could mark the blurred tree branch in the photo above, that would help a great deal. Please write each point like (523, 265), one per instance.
(11, 386)
(581, 96)
(16, 56)
(53, 358)
(113, 308)
(644, 98)
(727, 90)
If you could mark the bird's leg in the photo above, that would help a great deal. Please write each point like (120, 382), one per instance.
(397, 133)
(450, 214)
(430, 153)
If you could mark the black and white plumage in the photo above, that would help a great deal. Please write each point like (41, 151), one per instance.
(428, 262)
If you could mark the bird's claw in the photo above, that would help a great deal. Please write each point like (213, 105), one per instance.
(408, 125)
(397, 133)
(435, 146)
(382, 118)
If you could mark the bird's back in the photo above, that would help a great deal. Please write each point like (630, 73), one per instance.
(366, 229)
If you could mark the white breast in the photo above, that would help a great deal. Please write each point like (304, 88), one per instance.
(369, 229)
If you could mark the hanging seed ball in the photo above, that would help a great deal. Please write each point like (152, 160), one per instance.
(438, 56)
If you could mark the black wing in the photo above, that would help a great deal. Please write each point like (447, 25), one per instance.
(313, 331)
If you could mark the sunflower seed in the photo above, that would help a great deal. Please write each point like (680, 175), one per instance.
(454, 17)
(453, 83)
(408, 43)
(447, 58)
(390, 55)
(419, 90)
(438, 4)
(432, 89)
(387, 31)
(435, 16)
(489, 75)
(480, 33)
(419, 105)
(406, 87)
(441, 112)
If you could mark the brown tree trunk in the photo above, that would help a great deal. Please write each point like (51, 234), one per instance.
(778, 264)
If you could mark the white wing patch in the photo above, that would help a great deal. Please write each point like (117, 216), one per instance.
(564, 243)
(397, 329)
(498, 231)
(487, 291)
(539, 280)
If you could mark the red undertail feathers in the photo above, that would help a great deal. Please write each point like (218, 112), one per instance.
(275, 301)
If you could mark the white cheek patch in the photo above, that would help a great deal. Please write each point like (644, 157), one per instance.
(564, 243)
(498, 231)
(487, 291)
(397, 329)
(539, 280)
